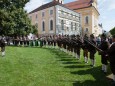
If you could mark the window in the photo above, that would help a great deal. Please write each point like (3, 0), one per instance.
(43, 26)
(43, 14)
(71, 25)
(51, 12)
(86, 30)
(36, 16)
(75, 26)
(51, 24)
(62, 12)
(86, 20)
(62, 24)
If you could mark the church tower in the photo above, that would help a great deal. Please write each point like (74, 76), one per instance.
(60, 1)
(89, 15)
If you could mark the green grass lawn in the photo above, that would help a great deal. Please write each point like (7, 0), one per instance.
(47, 67)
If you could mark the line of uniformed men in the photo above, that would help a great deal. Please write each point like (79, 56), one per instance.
(73, 44)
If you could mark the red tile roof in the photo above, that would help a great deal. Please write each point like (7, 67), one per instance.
(79, 4)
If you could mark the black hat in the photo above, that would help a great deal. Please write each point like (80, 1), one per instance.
(85, 35)
(92, 36)
(103, 35)
(73, 35)
(78, 35)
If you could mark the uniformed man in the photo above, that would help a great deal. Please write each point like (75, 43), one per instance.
(21, 41)
(104, 46)
(17, 41)
(71, 45)
(111, 53)
(54, 40)
(2, 44)
(59, 39)
(68, 44)
(85, 48)
(27, 41)
(13, 40)
(49, 41)
(92, 49)
(78, 46)
(44, 41)
(24, 41)
(41, 42)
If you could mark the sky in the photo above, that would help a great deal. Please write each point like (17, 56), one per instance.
(106, 9)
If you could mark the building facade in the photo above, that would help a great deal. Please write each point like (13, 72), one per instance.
(54, 18)
(89, 15)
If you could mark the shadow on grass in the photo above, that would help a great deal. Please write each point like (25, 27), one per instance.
(71, 63)
(100, 78)
(23, 46)
(75, 66)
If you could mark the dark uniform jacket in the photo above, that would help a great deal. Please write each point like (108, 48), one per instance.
(91, 48)
(104, 46)
(2, 43)
(111, 53)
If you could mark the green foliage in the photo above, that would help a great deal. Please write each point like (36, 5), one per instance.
(34, 30)
(14, 20)
(6, 25)
(9, 4)
(48, 67)
(112, 31)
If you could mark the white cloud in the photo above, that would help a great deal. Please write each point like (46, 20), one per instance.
(33, 4)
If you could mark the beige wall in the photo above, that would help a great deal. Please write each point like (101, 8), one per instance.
(85, 12)
(46, 19)
(93, 15)
(55, 17)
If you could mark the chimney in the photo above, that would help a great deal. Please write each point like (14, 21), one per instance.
(60, 1)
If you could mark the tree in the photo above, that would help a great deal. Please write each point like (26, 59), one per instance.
(112, 31)
(34, 30)
(13, 18)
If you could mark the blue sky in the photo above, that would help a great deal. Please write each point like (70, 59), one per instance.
(106, 10)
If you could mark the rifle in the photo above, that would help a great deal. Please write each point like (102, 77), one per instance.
(98, 49)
